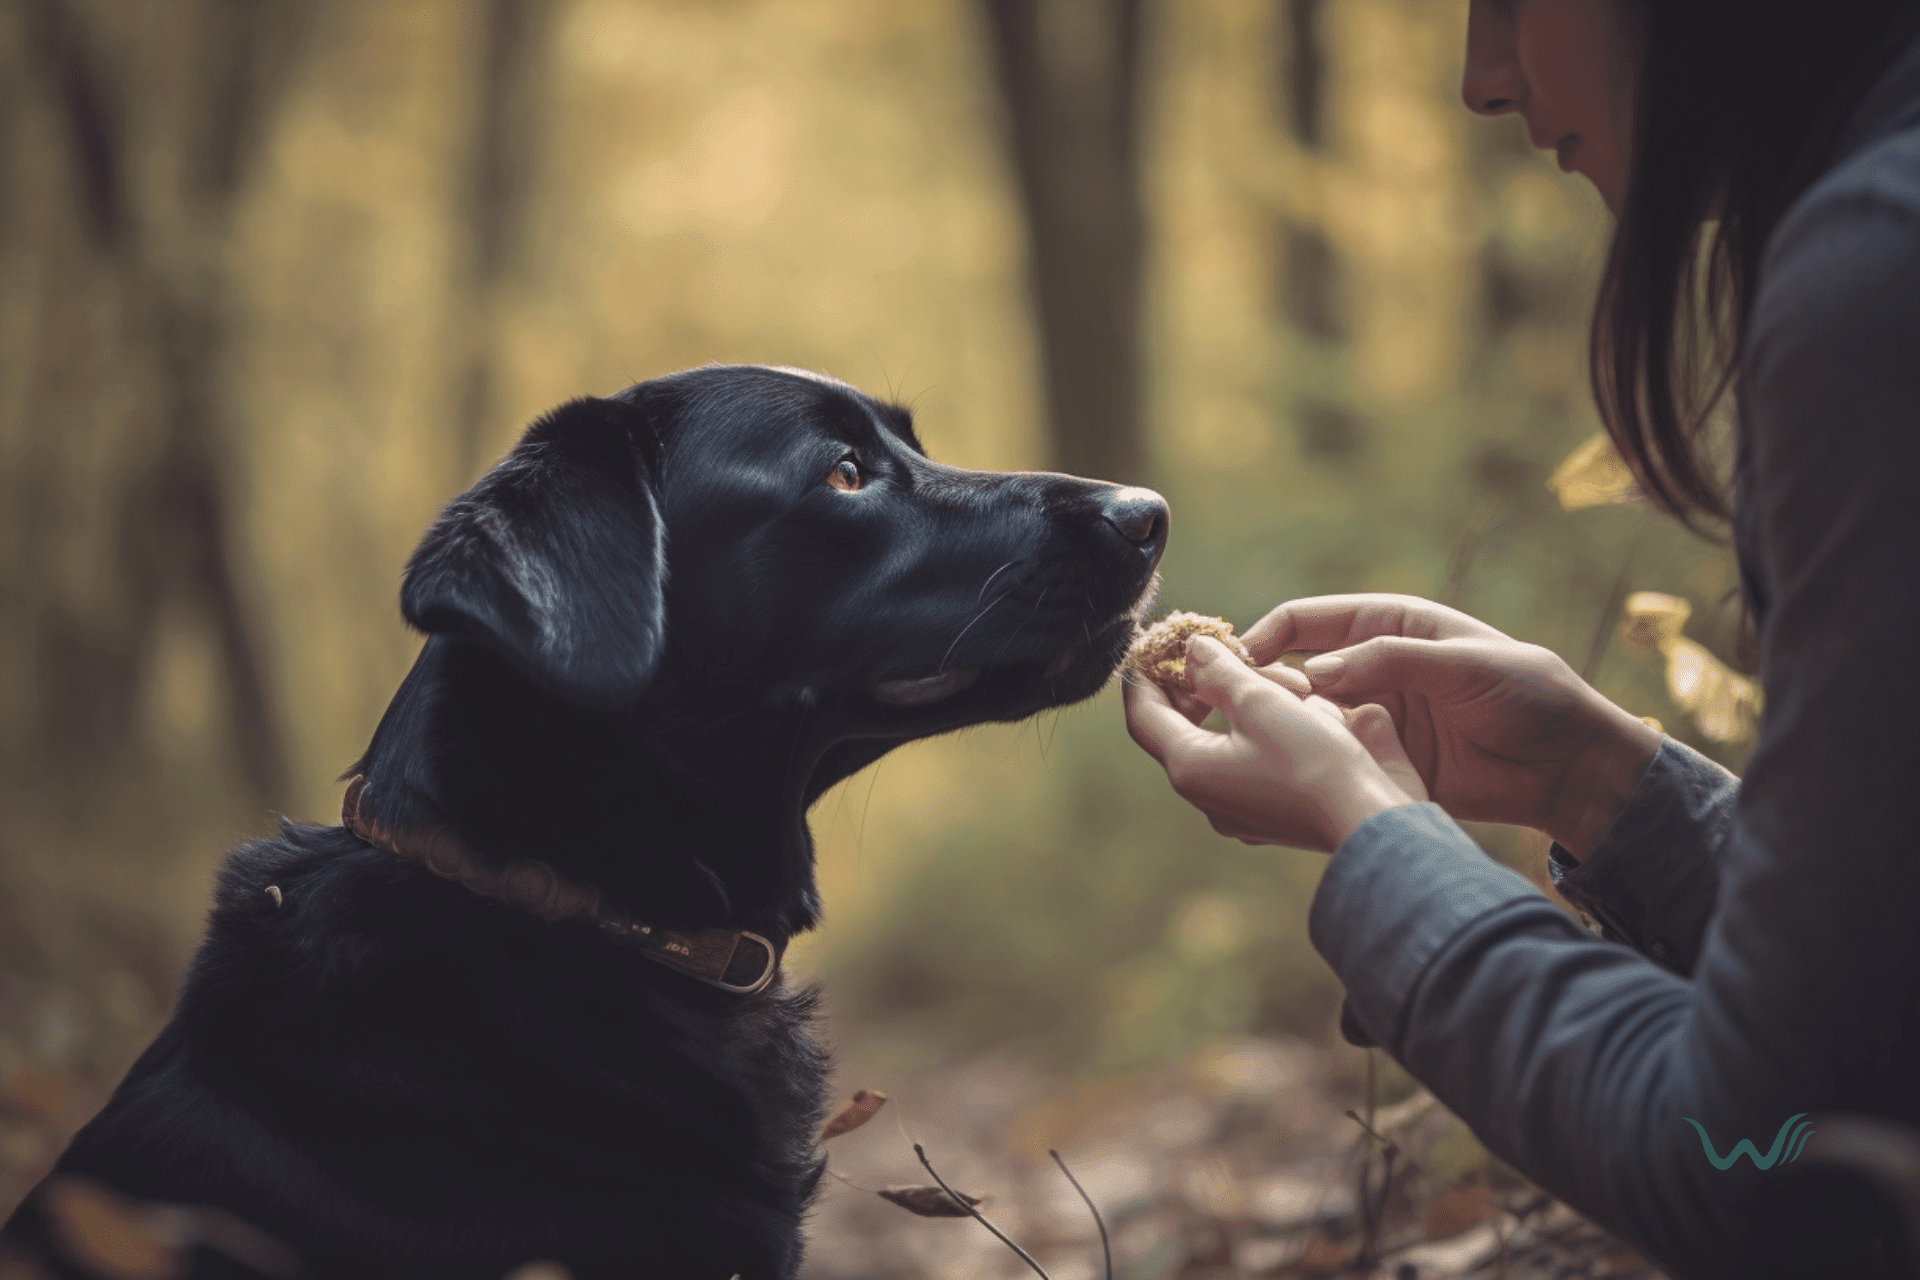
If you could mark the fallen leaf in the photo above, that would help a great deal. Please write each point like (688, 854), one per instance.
(1455, 1211)
(928, 1202)
(865, 1105)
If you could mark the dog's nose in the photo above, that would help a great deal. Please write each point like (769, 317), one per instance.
(1140, 516)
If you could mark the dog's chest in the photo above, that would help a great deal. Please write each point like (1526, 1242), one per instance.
(784, 1068)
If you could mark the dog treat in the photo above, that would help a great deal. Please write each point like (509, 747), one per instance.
(1160, 652)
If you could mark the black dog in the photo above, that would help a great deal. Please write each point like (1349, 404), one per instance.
(657, 631)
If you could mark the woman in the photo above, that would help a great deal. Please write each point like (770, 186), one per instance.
(1771, 970)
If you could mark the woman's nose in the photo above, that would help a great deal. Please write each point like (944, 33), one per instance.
(1492, 84)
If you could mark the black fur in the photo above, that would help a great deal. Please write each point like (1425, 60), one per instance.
(655, 632)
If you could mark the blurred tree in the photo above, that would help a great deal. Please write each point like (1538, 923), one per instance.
(1069, 73)
(129, 132)
(513, 46)
(1304, 84)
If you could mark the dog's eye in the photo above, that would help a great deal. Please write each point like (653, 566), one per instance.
(846, 476)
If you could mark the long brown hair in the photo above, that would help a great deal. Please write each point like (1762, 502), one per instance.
(1734, 110)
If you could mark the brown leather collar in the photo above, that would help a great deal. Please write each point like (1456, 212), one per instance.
(730, 959)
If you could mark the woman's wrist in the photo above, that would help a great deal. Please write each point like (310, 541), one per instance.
(1607, 778)
(1368, 793)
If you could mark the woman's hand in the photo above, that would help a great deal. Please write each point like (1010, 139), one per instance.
(1499, 731)
(1289, 770)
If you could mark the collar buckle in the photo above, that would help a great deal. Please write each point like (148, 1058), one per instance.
(764, 979)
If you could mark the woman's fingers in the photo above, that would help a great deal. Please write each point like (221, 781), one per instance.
(1233, 830)
(1194, 708)
(1186, 703)
(1190, 755)
(1155, 723)
(1291, 679)
(1398, 664)
(1319, 623)
(1165, 722)
(1288, 771)
(1309, 625)
(1222, 681)
(1219, 678)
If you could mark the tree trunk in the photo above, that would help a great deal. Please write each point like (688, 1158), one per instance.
(501, 176)
(1069, 74)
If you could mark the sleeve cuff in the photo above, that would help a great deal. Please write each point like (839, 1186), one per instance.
(1392, 897)
(1652, 880)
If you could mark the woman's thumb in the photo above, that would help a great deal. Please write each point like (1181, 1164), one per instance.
(1216, 672)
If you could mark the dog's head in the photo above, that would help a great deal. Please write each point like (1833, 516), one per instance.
(740, 584)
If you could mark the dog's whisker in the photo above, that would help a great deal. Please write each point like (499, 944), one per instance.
(1031, 613)
(942, 668)
(990, 577)
(873, 780)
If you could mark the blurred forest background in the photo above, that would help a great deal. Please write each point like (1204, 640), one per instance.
(279, 277)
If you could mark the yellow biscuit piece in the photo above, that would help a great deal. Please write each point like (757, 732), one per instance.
(1160, 652)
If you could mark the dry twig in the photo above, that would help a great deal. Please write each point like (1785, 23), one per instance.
(1106, 1248)
(979, 1217)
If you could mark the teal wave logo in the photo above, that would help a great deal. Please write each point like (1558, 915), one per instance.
(1790, 1140)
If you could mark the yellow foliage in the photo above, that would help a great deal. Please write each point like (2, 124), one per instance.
(1724, 704)
(1593, 475)
(1654, 619)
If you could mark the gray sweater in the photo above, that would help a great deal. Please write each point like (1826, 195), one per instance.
(1761, 950)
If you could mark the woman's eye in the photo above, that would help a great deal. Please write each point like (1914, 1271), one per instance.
(846, 475)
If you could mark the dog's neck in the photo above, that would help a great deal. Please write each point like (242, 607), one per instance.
(734, 960)
(672, 816)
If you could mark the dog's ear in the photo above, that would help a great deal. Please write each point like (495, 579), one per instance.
(555, 560)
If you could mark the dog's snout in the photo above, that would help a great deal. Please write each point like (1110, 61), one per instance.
(1140, 516)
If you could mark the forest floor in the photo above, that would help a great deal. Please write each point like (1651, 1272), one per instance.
(1239, 1161)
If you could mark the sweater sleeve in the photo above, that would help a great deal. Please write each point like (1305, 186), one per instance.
(1598, 1073)
(1652, 879)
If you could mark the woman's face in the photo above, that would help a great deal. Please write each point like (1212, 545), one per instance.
(1567, 67)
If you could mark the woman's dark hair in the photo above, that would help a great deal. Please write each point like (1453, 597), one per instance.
(1734, 110)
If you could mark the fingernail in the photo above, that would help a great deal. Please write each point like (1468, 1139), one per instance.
(1324, 668)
